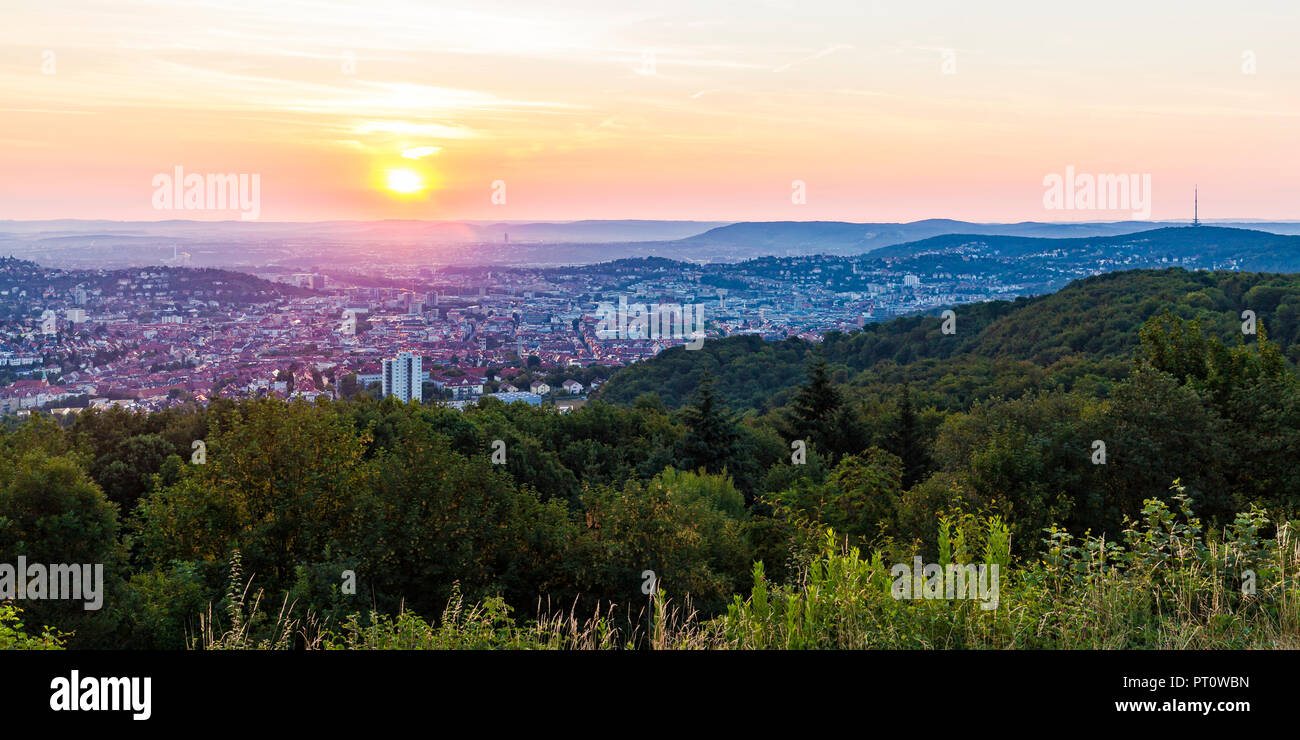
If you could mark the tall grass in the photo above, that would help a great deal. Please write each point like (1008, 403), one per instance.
(1165, 584)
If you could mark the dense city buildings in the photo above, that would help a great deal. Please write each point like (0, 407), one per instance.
(154, 337)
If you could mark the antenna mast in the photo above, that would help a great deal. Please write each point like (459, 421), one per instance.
(1196, 221)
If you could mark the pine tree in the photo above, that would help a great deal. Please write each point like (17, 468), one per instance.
(905, 441)
(711, 436)
(815, 410)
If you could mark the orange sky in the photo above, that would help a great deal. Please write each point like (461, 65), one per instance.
(692, 110)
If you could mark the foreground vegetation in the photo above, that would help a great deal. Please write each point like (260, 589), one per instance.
(1163, 586)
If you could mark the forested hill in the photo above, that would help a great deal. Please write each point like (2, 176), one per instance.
(886, 239)
(1210, 246)
(227, 286)
(1084, 334)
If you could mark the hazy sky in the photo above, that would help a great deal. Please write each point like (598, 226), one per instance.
(886, 111)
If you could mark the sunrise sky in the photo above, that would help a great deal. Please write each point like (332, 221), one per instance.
(677, 110)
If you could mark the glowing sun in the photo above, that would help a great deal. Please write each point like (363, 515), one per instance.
(404, 181)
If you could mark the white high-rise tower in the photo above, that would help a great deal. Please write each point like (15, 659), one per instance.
(402, 377)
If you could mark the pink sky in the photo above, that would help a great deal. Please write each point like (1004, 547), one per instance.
(887, 111)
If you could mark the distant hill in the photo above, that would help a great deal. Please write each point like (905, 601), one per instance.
(1250, 249)
(73, 243)
(843, 238)
(24, 284)
(234, 243)
(593, 231)
(1083, 334)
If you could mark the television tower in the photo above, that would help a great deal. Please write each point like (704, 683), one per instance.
(1196, 221)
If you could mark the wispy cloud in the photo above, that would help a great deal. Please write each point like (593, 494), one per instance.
(812, 57)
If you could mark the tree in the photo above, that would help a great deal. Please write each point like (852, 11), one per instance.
(280, 484)
(859, 499)
(906, 441)
(348, 385)
(430, 518)
(711, 435)
(1033, 458)
(1159, 431)
(51, 513)
(127, 472)
(815, 408)
(685, 527)
(1174, 346)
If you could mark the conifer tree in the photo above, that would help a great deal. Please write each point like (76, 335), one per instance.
(905, 441)
(711, 437)
(815, 408)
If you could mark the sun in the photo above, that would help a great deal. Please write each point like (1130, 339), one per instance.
(404, 181)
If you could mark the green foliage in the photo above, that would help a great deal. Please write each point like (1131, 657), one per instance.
(1165, 586)
(711, 436)
(164, 608)
(13, 636)
(906, 442)
(860, 498)
(127, 472)
(680, 526)
(1081, 337)
(50, 512)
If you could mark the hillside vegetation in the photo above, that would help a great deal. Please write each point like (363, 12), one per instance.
(1086, 333)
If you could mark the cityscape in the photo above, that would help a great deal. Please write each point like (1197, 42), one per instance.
(154, 337)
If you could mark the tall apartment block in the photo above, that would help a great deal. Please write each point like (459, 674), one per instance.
(402, 377)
